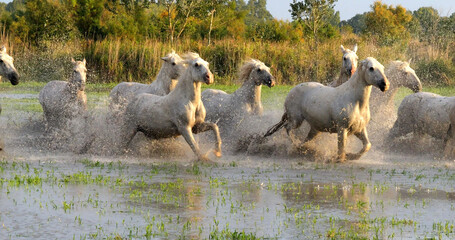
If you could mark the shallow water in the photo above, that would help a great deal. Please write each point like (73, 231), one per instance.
(51, 193)
(87, 197)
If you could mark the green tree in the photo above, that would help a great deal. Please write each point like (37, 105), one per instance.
(314, 15)
(428, 19)
(387, 24)
(47, 20)
(357, 23)
(178, 13)
(257, 12)
(88, 17)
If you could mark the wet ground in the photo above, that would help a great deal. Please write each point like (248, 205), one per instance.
(56, 194)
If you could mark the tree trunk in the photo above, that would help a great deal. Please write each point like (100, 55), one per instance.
(186, 19)
(316, 50)
(212, 13)
(171, 28)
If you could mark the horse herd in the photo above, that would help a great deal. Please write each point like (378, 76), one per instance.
(174, 104)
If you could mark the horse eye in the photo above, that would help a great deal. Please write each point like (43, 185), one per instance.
(259, 70)
(371, 69)
(173, 64)
(344, 58)
(196, 65)
(1, 61)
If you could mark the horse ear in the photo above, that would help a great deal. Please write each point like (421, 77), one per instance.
(72, 60)
(3, 49)
(355, 48)
(166, 59)
(410, 60)
(84, 62)
(342, 48)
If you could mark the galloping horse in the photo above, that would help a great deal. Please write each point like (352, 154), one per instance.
(165, 82)
(64, 100)
(8, 71)
(228, 109)
(181, 112)
(348, 67)
(343, 110)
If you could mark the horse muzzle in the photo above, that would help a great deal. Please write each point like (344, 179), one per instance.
(13, 78)
(208, 78)
(270, 82)
(417, 88)
(384, 85)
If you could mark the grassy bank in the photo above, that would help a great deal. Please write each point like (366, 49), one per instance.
(113, 61)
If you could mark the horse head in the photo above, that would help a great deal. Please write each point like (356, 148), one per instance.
(79, 75)
(373, 73)
(409, 78)
(350, 59)
(198, 68)
(7, 68)
(173, 64)
(257, 72)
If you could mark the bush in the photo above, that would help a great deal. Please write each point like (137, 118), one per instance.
(436, 72)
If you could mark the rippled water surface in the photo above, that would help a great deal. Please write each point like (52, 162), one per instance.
(48, 193)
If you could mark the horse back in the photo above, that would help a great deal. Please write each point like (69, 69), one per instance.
(215, 102)
(52, 92)
(126, 91)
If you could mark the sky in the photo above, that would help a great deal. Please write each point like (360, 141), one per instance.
(349, 8)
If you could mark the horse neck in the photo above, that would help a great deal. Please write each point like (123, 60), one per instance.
(394, 78)
(249, 93)
(164, 81)
(73, 86)
(358, 90)
(344, 77)
(187, 89)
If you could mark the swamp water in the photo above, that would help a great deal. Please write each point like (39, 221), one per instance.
(54, 194)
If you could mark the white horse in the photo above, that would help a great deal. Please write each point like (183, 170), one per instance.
(348, 67)
(400, 74)
(8, 71)
(423, 113)
(449, 150)
(343, 110)
(228, 109)
(165, 82)
(181, 112)
(63, 100)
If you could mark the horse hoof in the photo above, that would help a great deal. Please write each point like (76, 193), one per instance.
(204, 158)
(217, 153)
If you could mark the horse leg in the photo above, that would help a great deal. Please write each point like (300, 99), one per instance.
(291, 125)
(128, 135)
(188, 136)
(363, 136)
(342, 136)
(311, 135)
(206, 126)
(1, 141)
(398, 130)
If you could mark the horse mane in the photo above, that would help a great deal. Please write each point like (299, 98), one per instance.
(247, 67)
(190, 56)
(397, 65)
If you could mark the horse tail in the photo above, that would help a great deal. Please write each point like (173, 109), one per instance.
(277, 126)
